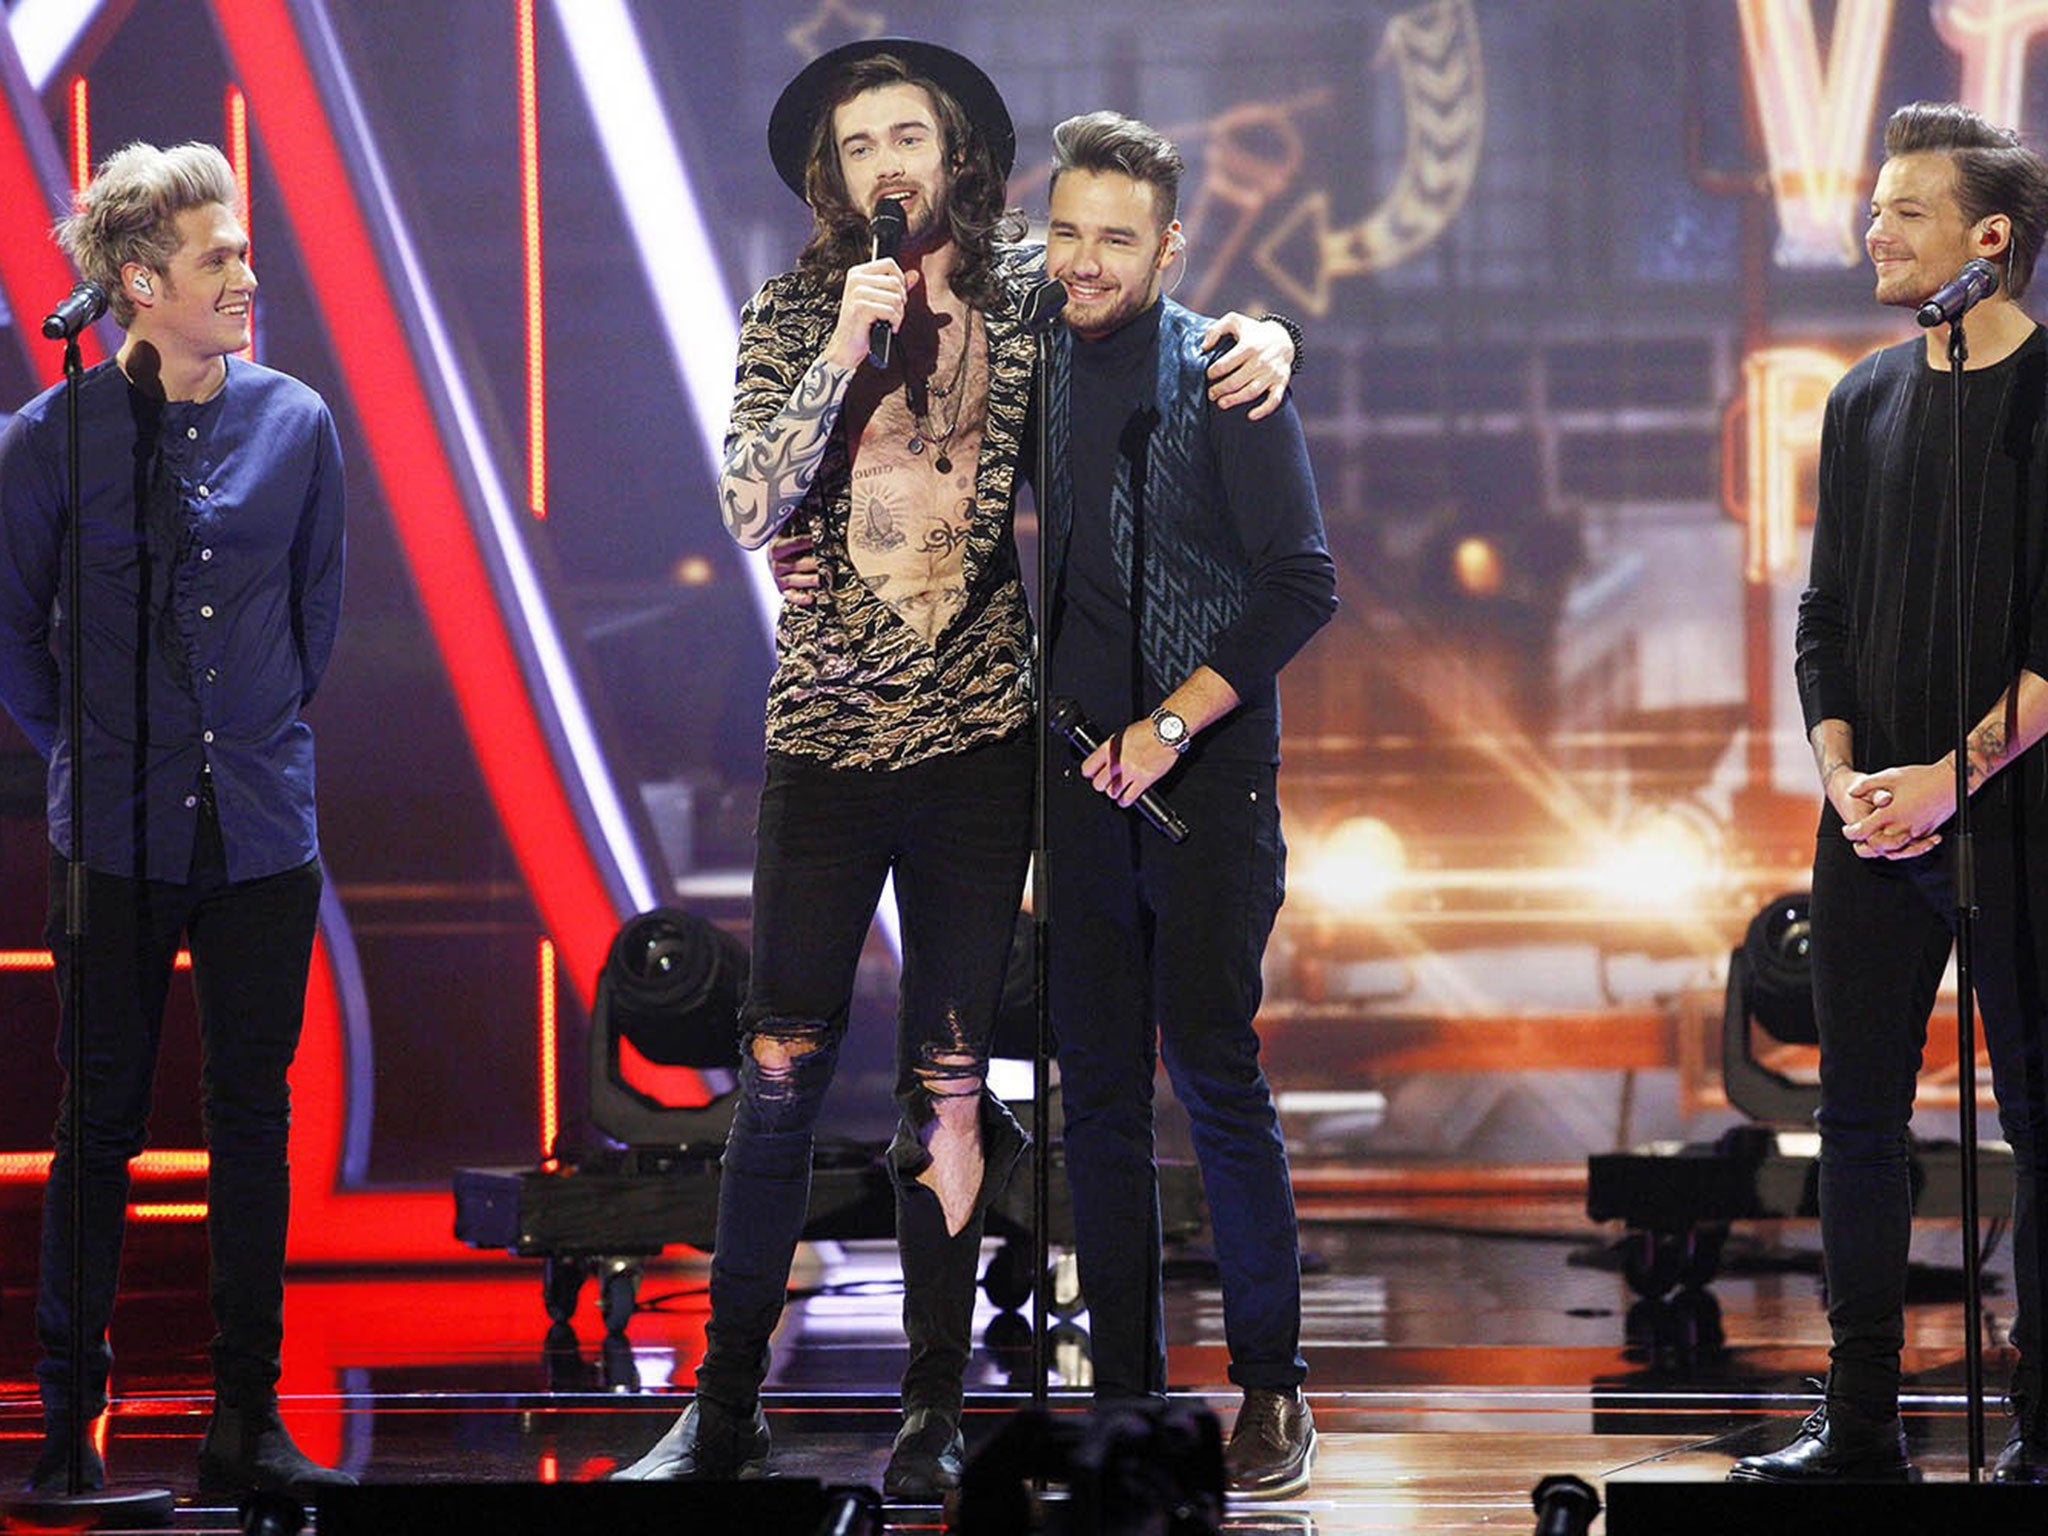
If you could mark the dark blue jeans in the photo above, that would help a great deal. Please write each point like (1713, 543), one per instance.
(955, 833)
(1156, 949)
(1882, 932)
(251, 944)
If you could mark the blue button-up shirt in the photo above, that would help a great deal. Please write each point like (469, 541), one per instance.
(211, 593)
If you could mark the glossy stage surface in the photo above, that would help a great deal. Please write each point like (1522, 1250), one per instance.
(1462, 1348)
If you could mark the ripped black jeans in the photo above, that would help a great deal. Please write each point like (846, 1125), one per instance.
(955, 833)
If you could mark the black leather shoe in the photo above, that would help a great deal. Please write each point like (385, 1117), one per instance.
(1838, 1451)
(247, 1450)
(2025, 1457)
(706, 1442)
(52, 1471)
(926, 1462)
(1272, 1449)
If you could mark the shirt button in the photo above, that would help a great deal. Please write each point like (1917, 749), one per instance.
(204, 492)
(206, 554)
(211, 675)
(206, 736)
(206, 611)
(190, 801)
(191, 431)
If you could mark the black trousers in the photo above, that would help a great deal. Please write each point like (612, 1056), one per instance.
(1156, 950)
(955, 833)
(251, 945)
(1882, 932)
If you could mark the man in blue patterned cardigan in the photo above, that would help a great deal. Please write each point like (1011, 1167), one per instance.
(1188, 566)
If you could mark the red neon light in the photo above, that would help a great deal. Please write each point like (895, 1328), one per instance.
(550, 1088)
(81, 133)
(43, 960)
(389, 398)
(166, 1211)
(529, 219)
(167, 1164)
(33, 272)
(236, 114)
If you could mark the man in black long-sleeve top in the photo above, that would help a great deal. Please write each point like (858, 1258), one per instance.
(1188, 566)
(1876, 668)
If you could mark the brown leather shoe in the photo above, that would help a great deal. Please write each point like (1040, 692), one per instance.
(1272, 1449)
(1845, 1449)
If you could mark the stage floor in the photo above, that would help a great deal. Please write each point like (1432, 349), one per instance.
(1461, 1349)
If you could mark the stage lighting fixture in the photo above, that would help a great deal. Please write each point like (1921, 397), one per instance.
(1565, 1505)
(1666, 857)
(1770, 982)
(1357, 866)
(671, 986)
(272, 1514)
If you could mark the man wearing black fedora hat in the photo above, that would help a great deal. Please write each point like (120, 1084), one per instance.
(880, 414)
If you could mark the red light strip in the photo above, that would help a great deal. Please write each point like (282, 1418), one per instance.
(81, 133)
(19, 1167)
(43, 960)
(529, 218)
(164, 1211)
(235, 112)
(33, 272)
(387, 391)
(550, 1087)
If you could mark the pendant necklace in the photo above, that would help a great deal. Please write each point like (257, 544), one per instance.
(926, 432)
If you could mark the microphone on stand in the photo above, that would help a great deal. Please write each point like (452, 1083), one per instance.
(887, 227)
(1069, 720)
(1039, 305)
(1955, 298)
(85, 304)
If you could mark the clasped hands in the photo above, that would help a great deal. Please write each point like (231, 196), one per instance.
(1893, 814)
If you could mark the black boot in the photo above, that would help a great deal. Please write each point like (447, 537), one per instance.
(247, 1450)
(708, 1441)
(2025, 1457)
(1835, 1444)
(52, 1471)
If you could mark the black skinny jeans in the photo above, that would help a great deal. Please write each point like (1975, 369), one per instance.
(955, 832)
(251, 944)
(1882, 932)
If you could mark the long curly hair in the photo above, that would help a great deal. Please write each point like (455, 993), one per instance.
(975, 201)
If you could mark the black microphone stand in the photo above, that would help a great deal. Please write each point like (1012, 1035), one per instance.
(80, 1508)
(1966, 923)
(1040, 314)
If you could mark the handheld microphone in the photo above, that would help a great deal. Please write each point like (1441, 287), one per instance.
(1955, 298)
(85, 304)
(887, 228)
(1069, 720)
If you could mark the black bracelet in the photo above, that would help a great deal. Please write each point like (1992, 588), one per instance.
(1294, 334)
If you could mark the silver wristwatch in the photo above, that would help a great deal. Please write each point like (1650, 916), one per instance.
(1171, 730)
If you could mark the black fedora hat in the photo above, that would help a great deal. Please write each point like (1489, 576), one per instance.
(796, 110)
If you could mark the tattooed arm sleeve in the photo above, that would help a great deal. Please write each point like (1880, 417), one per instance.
(779, 429)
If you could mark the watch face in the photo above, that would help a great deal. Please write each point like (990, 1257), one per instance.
(1169, 726)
